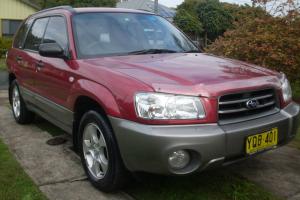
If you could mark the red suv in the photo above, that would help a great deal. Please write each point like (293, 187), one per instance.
(137, 95)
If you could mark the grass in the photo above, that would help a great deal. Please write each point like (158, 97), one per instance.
(14, 182)
(2, 64)
(296, 142)
(296, 90)
(211, 185)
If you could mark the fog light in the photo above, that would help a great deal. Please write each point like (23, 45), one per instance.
(179, 159)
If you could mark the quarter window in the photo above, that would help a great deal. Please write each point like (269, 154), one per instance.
(56, 32)
(35, 35)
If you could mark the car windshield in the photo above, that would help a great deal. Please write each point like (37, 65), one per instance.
(106, 34)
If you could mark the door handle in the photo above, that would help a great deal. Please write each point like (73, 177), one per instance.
(19, 58)
(39, 64)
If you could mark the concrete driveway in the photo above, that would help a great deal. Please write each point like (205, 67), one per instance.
(3, 80)
(58, 172)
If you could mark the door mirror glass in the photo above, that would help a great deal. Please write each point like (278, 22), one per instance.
(52, 50)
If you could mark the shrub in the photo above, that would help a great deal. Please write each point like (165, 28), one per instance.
(271, 42)
(5, 44)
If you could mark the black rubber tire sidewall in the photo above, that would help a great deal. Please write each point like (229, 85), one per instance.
(113, 179)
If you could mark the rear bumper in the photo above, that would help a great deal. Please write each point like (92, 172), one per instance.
(147, 147)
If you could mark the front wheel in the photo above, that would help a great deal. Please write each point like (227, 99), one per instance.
(99, 153)
(21, 114)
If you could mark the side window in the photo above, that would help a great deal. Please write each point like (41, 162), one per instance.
(35, 35)
(20, 36)
(57, 32)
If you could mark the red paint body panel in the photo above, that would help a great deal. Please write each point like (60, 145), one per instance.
(113, 81)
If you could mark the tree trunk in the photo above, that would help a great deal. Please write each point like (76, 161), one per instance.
(205, 39)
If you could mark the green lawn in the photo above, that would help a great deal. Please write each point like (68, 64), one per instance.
(296, 90)
(210, 185)
(2, 64)
(296, 141)
(14, 182)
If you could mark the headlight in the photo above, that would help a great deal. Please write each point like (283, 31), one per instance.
(167, 106)
(286, 88)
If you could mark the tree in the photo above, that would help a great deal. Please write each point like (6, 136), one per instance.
(215, 19)
(188, 23)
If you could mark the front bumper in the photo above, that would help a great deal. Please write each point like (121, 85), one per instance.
(147, 147)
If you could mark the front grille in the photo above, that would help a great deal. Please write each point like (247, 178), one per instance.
(234, 106)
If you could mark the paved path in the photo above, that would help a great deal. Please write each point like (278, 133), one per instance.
(58, 173)
(277, 171)
(55, 169)
(3, 80)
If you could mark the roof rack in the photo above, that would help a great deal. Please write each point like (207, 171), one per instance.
(69, 8)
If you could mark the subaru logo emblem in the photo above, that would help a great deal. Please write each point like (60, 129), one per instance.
(252, 104)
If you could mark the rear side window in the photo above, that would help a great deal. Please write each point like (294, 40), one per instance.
(57, 32)
(35, 35)
(20, 36)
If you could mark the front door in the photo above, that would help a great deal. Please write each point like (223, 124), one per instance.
(53, 75)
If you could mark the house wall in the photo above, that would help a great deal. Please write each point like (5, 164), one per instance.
(14, 9)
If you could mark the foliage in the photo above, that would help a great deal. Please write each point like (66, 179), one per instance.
(189, 5)
(5, 44)
(2, 64)
(272, 42)
(244, 12)
(213, 16)
(188, 23)
(215, 19)
(76, 3)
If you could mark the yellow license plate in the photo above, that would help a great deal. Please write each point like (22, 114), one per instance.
(262, 141)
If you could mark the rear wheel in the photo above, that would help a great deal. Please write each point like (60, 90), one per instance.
(21, 114)
(99, 153)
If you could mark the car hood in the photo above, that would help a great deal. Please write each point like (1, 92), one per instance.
(190, 73)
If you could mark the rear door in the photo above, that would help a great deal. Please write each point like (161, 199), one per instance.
(16, 55)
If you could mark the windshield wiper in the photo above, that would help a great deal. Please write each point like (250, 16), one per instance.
(151, 51)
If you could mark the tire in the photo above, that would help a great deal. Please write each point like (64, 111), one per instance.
(99, 153)
(20, 112)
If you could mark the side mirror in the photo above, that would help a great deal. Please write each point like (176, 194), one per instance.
(52, 50)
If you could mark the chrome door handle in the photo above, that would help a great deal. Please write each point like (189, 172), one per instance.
(39, 64)
(19, 58)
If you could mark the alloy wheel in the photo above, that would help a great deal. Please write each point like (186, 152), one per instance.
(95, 151)
(16, 102)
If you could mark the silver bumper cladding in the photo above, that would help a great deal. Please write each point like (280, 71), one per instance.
(146, 147)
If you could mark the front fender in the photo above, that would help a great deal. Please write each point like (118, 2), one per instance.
(98, 93)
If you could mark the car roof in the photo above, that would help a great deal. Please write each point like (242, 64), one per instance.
(100, 9)
(64, 9)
